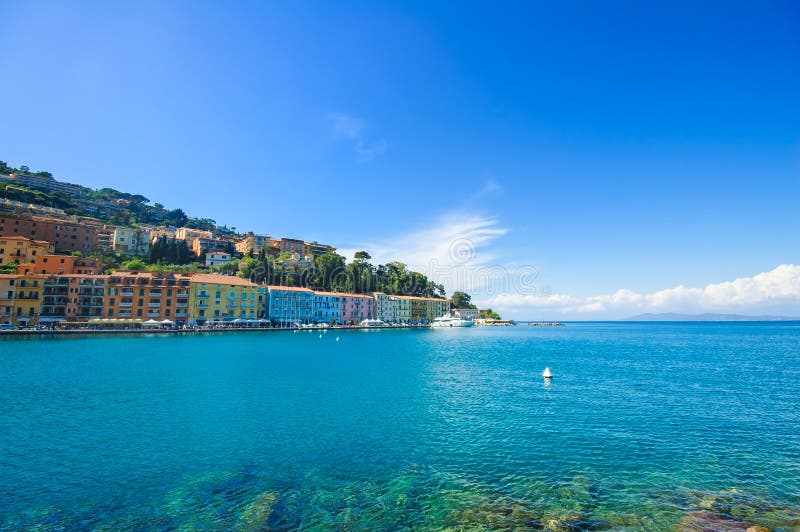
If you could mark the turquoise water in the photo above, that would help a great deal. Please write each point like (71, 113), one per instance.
(643, 425)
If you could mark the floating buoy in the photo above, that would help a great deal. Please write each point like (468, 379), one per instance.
(546, 373)
(320, 336)
(337, 338)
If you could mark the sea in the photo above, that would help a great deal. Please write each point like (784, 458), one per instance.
(644, 426)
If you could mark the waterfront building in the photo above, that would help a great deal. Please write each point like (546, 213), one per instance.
(148, 295)
(72, 298)
(19, 249)
(131, 241)
(23, 298)
(61, 265)
(214, 258)
(252, 243)
(425, 308)
(328, 307)
(386, 307)
(66, 235)
(8, 287)
(289, 245)
(315, 248)
(356, 308)
(224, 298)
(289, 305)
(403, 309)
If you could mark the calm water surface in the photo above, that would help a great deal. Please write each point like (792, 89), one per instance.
(644, 427)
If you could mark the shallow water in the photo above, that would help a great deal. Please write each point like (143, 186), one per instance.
(643, 425)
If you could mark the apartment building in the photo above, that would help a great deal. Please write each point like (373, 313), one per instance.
(131, 241)
(224, 298)
(289, 305)
(289, 245)
(148, 296)
(73, 298)
(20, 249)
(66, 235)
(328, 307)
(356, 308)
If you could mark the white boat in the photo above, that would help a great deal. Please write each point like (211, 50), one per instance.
(372, 323)
(451, 321)
(546, 373)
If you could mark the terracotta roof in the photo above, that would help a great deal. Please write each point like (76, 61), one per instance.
(289, 288)
(214, 278)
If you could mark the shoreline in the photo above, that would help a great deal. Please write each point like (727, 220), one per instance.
(90, 332)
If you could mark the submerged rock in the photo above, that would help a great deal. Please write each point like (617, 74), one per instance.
(257, 513)
(707, 521)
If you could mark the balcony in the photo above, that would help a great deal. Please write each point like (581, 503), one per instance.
(153, 314)
(154, 304)
(126, 293)
(155, 294)
(125, 315)
(180, 314)
(202, 304)
(125, 305)
(181, 304)
(183, 294)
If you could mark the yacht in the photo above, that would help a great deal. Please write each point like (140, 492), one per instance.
(452, 321)
(372, 323)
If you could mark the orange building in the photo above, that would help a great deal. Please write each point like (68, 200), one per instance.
(148, 296)
(61, 265)
(20, 249)
(72, 298)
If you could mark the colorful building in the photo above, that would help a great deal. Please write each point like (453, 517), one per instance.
(425, 308)
(23, 298)
(328, 307)
(224, 298)
(289, 305)
(148, 296)
(20, 249)
(73, 298)
(8, 286)
(200, 245)
(61, 265)
(357, 307)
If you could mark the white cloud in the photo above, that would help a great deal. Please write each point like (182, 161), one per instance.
(776, 291)
(350, 128)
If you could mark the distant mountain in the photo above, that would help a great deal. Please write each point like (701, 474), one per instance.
(670, 316)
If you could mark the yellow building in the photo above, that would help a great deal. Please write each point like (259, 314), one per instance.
(215, 297)
(425, 308)
(19, 250)
(20, 298)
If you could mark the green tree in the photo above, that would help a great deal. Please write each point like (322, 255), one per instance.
(462, 300)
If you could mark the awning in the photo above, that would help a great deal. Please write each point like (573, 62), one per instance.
(50, 319)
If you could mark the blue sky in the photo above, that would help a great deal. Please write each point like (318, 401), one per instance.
(605, 145)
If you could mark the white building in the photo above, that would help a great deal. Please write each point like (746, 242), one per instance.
(214, 258)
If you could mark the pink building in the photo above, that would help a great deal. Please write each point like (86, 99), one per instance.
(356, 308)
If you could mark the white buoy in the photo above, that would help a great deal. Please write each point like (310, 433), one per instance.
(546, 373)
(337, 338)
(320, 336)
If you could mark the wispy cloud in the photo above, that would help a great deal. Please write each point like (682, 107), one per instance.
(775, 291)
(490, 187)
(349, 128)
(455, 250)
